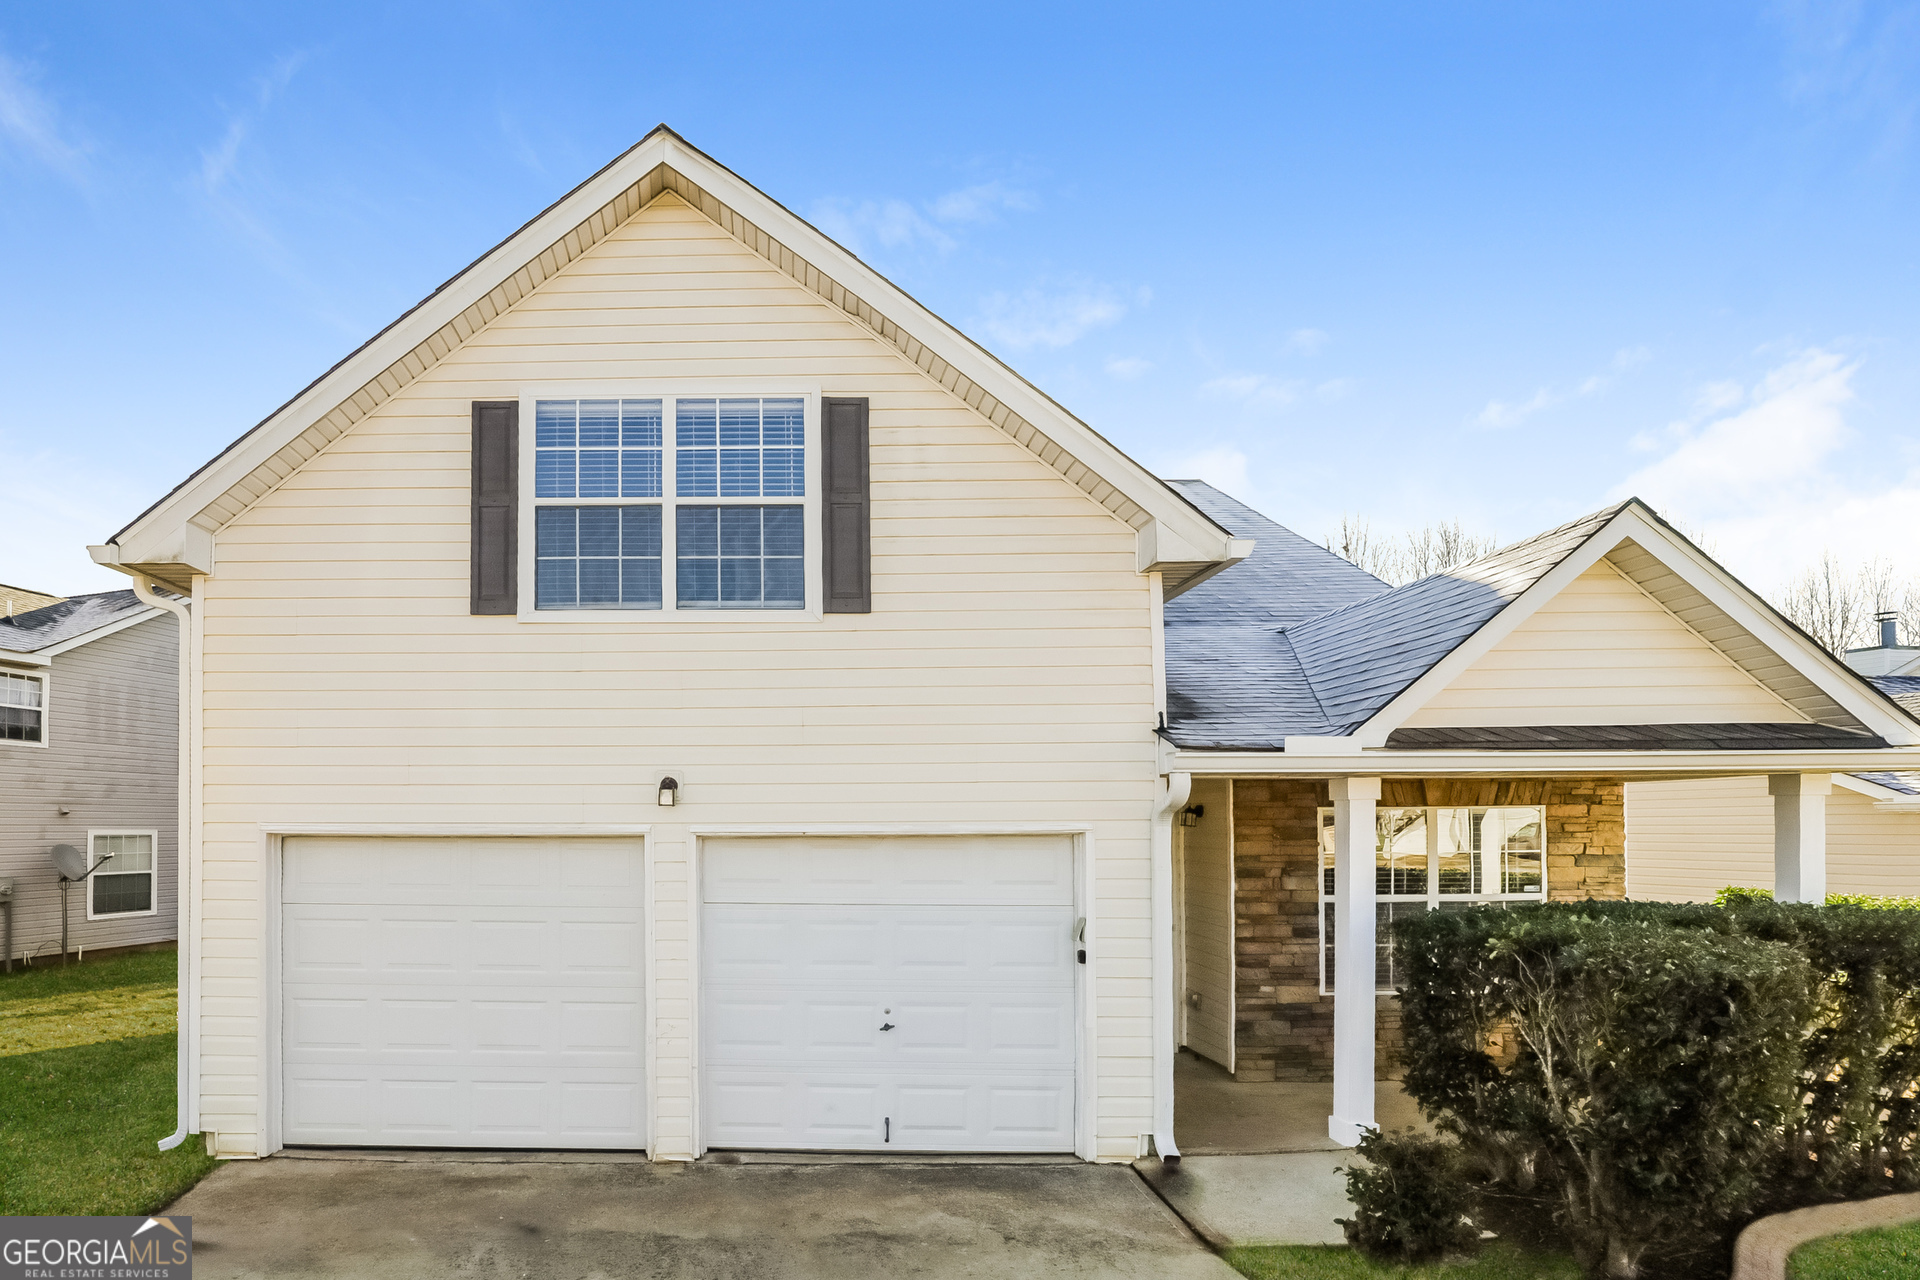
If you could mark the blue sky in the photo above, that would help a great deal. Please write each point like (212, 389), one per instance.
(1499, 262)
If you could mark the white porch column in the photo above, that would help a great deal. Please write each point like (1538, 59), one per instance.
(1353, 937)
(1800, 835)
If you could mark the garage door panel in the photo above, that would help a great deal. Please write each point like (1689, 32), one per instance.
(961, 949)
(997, 870)
(881, 1112)
(482, 993)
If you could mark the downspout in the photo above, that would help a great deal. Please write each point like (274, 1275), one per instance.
(1165, 1012)
(183, 841)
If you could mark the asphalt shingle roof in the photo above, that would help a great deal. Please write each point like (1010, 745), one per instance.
(1904, 690)
(75, 616)
(1296, 641)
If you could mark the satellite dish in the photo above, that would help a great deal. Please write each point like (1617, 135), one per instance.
(73, 866)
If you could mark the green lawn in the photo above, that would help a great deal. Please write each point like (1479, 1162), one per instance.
(1892, 1253)
(87, 1088)
(1337, 1262)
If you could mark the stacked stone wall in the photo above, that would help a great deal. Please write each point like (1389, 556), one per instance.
(1283, 1025)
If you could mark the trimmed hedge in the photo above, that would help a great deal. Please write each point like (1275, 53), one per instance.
(1667, 1072)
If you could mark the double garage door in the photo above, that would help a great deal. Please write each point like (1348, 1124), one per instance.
(855, 993)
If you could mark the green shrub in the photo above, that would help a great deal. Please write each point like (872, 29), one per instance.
(1410, 1202)
(1658, 1064)
(1733, 895)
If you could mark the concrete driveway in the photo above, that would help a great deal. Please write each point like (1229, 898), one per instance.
(530, 1219)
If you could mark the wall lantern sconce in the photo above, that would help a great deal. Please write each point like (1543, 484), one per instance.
(1190, 816)
(669, 792)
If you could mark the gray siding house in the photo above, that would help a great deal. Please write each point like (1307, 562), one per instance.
(89, 743)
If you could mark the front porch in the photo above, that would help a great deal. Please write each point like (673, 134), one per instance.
(1272, 873)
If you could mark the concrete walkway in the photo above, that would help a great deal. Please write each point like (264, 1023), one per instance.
(1257, 1199)
(409, 1217)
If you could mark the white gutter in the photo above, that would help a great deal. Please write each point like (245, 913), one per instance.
(183, 842)
(1647, 765)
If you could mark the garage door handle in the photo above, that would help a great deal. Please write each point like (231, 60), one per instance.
(886, 1026)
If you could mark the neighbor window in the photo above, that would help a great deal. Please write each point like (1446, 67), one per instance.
(618, 497)
(124, 885)
(23, 708)
(1428, 859)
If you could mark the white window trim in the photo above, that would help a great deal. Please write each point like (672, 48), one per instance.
(1432, 897)
(153, 873)
(45, 677)
(669, 610)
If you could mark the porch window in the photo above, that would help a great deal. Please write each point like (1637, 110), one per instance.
(1437, 859)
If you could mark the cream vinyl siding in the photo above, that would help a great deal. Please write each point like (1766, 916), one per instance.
(1688, 840)
(1207, 920)
(1005, 675)
(1602, 652)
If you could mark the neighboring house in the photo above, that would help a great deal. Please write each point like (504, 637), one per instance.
(1687, 840)
(20, 600)
(671, 690)
(89, 752)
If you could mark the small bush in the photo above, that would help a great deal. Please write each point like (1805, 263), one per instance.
(1734, 895)
(1410, 1201)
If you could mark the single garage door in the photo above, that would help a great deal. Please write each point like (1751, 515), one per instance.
(889, 994)
(463, 992)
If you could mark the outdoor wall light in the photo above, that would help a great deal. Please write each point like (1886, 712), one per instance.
(669, 791)
(1190, 816)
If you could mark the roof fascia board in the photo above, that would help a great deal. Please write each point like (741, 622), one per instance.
(1642, 765)
(1871, 790)
(1184, 534)
(99, 633)
(19, 659)
(167, 533)
(1720, 588)
(157, 535)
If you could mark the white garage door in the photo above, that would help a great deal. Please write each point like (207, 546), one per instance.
(463, 993)
(889, 994)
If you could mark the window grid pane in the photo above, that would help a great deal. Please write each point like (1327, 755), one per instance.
(1482, 856)
(740, 448)
(597, 448)
(597, 557)
(740, 557)
(20, 708)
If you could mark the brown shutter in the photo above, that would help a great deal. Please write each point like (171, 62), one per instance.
(496, 498)
(846, 506)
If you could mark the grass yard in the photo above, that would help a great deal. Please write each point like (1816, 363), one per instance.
(87, 1088)
(1337, 1262)
(1887, 1254)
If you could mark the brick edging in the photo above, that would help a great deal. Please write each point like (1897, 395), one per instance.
(1762, 1249)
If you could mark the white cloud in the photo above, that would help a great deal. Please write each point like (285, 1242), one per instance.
(1257, 389)
(1127, 368)
(218, 162)
(892, 224)
(29, 121)
(1308, 342)
(1500, 413)
(1223, 466)
(899, 224)
(978, 203)
(1334, 389)
(1768, 479)
(1511, 413)
(1037, 318)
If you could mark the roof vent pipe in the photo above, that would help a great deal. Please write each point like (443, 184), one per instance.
(1889, 629)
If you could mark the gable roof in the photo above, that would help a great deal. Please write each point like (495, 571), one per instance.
(173, 540)
(1358, 670)
(76, 618)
